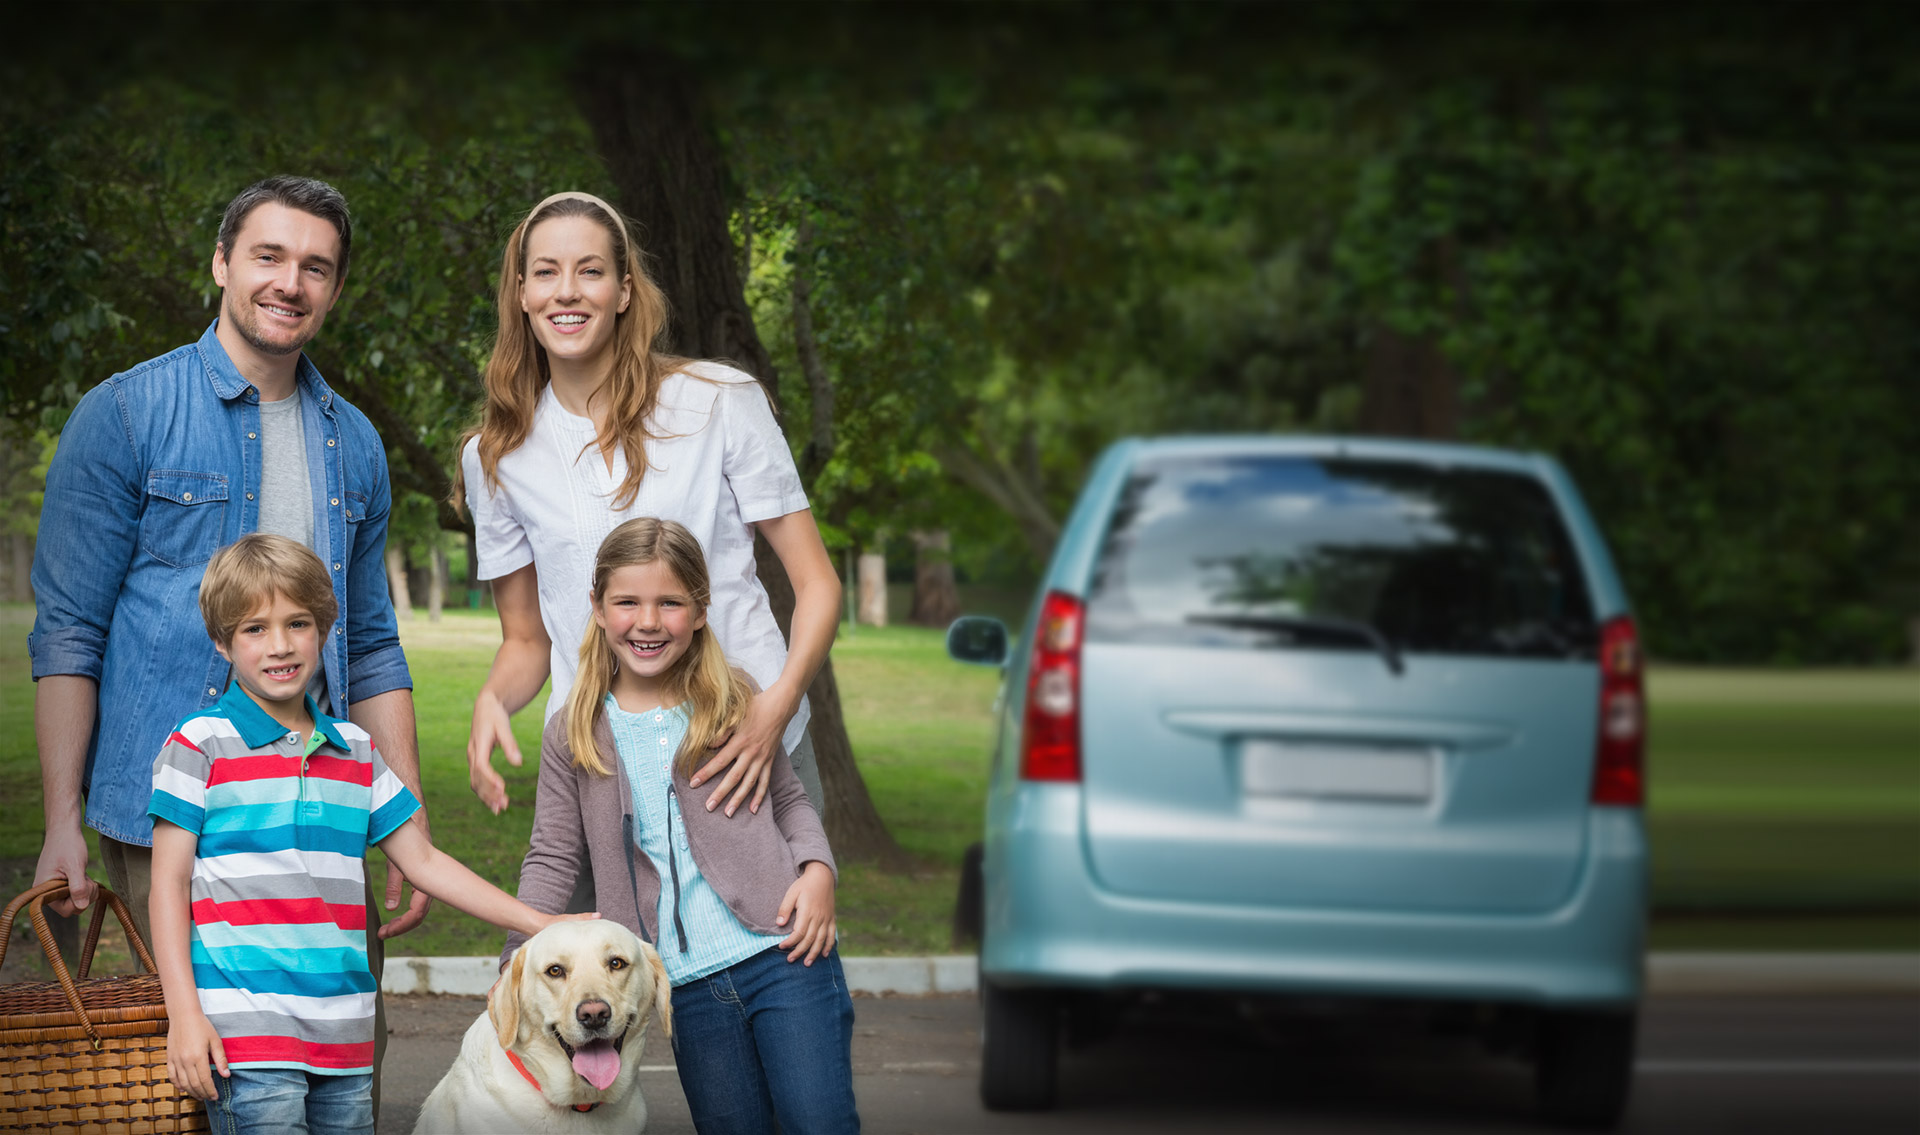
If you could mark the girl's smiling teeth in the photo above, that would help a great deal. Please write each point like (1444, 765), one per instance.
(647, 649)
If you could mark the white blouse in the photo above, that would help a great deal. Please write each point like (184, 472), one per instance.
(719, 464)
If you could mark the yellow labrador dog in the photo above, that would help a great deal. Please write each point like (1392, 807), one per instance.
(556, 1049)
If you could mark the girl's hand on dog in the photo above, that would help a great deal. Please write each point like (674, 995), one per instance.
(807, 911)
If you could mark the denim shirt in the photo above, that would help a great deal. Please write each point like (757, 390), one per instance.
(159, 467)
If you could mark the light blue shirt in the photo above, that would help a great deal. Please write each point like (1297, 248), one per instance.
(647, 743)
(158, 467)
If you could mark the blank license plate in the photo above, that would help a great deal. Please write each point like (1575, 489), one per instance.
(1337, 772)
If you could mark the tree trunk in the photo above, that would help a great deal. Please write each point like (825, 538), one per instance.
(670, 177)
(476, 591)
(936, 597)
(436, 581)
(397, 582)
(1408, 389)
(819, 386)
(20, 567)
(873, 589)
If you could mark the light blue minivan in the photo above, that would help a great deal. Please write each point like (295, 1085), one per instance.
(1320, 716)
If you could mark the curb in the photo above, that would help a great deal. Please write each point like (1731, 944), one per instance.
(1783, 973)
(1667, 973)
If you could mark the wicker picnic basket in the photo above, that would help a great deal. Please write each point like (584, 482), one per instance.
(86, 1054)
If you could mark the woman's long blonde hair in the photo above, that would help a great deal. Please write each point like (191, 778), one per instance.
(715, 695)
(518, 371)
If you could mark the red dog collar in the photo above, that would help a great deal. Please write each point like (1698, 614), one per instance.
(514, 1058)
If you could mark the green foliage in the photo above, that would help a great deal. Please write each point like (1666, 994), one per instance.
(1710, 321)
(112, 197)
(1675, 247)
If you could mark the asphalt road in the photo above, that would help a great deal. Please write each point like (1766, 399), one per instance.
(1751, 1065)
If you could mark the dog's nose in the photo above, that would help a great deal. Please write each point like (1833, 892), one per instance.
(593, 1014)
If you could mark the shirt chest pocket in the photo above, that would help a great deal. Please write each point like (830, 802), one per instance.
(355, 513)
(185, 517)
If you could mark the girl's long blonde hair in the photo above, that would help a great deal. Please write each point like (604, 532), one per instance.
(715, 695)
(518, 371)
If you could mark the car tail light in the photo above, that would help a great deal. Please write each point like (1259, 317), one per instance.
(1619, 773)
(1050, 744)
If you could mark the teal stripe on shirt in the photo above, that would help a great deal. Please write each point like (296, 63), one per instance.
(716, 938)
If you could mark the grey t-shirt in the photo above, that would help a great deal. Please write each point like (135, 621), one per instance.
(286, 494)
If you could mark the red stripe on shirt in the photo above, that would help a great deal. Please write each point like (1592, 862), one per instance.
(281, 912)
(181, 739)
(286, 1049)
(257, 766)
(343, 769)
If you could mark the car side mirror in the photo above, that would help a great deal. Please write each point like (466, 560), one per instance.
(978, 640)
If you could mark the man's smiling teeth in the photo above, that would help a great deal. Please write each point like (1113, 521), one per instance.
(569, 320)
(286, 311)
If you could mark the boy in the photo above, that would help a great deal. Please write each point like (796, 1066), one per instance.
(263, 809)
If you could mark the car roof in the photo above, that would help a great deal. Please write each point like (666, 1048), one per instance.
(1330, 445)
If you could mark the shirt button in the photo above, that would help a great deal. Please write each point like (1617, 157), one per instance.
(250, 437)
(663, 740)
(329, 443)
(335, 501)
(336, 567)
(249, 496)
(293, 736)
(659, 717)
(186, 496)
(211, 690)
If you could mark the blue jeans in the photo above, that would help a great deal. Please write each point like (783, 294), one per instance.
(289, 1101)
(766, 1039)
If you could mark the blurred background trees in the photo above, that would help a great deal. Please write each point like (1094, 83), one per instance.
(1679, 249)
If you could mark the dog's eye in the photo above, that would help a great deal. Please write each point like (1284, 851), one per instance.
(556, 970)
(616, 963)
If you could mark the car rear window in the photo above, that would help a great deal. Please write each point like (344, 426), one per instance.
(1340, 554)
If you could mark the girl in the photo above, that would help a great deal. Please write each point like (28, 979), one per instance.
(731, 904)
(586, 425)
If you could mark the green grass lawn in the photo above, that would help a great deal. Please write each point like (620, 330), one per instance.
(1785, 805)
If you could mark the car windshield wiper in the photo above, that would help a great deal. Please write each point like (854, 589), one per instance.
(1348, 629)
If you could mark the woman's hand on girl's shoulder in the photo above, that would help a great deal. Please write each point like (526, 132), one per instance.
(807, 911)
(747, 758)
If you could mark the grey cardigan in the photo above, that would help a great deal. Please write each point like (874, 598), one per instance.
(584, 820)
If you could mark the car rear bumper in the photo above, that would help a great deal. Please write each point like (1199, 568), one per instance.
(1049, 925)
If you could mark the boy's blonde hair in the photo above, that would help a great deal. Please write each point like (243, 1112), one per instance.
(246, 574)
(715, 694)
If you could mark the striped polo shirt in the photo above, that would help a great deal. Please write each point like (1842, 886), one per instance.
(716, 938)
(279, 878)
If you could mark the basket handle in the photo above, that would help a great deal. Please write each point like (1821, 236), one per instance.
(35, 901)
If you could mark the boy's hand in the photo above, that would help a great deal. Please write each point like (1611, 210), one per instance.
(808, 908)
(192, 1045)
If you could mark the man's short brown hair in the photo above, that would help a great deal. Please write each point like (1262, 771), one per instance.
(246, 574)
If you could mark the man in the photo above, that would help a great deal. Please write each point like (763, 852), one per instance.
(160, 466)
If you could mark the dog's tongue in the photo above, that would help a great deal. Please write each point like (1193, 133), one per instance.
(598, 1061)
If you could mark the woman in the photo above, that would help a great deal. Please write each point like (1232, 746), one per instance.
(585, 426)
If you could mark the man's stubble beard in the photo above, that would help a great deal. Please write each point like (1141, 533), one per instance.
(250, 331)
